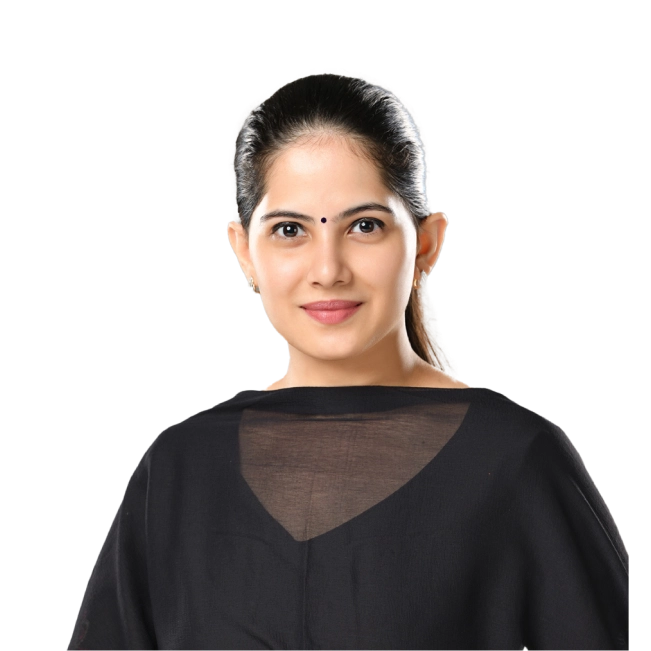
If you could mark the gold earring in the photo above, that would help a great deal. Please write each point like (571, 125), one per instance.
(253, 288)
(416, 283)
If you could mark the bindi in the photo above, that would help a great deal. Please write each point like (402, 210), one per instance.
(323, 220)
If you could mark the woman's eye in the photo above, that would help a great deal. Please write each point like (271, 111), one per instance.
(287, 230)
(368, 225)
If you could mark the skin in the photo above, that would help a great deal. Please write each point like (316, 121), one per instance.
(319, 176)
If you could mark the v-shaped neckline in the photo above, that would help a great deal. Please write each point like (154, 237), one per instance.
(275, 495)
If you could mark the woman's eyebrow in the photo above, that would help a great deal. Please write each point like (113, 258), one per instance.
(342, 215)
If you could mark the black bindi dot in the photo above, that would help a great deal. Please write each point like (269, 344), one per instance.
(323, 220)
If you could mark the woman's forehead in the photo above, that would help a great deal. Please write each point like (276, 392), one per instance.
(318, 171)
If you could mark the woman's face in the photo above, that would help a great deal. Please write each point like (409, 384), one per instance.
(361, 254)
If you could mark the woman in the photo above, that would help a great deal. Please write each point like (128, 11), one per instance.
(367, 499)
(362, 161)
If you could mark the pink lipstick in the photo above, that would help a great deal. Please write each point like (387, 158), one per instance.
(331, 312)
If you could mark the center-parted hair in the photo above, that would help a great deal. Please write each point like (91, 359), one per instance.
(374, 119)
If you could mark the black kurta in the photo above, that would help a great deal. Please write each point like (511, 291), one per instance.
(360, 517)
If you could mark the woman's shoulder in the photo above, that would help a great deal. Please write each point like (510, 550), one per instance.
(434, 378)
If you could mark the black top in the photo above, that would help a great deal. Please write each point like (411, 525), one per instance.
(360, 517)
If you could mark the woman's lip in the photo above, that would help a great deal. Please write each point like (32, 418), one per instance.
(330, 317)
(330, 305)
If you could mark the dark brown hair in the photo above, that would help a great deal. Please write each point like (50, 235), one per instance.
(368, 114)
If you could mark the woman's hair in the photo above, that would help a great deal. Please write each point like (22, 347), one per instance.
(367, 114)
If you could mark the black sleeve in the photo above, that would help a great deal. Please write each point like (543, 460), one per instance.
(575, 562)
(116, 609)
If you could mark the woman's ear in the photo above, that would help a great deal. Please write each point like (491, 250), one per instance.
(240, 245)
(431, 233)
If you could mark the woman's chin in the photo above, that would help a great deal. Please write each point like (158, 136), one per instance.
(330, 348)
